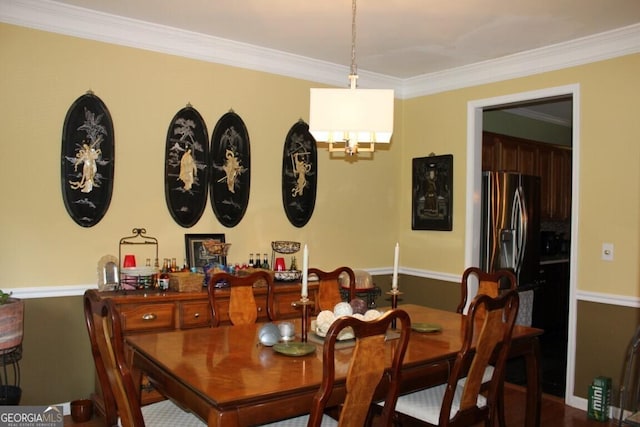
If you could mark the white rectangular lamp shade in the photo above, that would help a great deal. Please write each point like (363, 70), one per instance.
(365, 115)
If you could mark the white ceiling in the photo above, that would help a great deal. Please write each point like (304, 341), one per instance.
(397, 38)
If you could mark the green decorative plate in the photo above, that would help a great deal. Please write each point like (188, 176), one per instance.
(426, 327)
(294, 348)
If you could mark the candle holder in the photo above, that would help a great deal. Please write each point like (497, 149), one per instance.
(394, 303)
(304, 304)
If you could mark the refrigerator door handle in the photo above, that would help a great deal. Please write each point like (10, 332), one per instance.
(519, 222)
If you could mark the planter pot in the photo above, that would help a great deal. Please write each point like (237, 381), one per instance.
(11, 323)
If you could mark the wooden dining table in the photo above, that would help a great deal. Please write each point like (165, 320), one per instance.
(227, 378)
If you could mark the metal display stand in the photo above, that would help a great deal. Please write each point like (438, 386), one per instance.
(139, 237)
(283, 248)
(10, 391)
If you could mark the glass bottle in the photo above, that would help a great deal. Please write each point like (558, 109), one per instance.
(251, 260)
(156, 275)
(265, 262)
(294, 265)
(163, 281)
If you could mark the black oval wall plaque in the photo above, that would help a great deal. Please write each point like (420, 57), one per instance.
(186, 176)
(299, 174)
(87, 161)
(230, 169)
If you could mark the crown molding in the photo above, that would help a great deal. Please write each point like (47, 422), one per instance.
(47, 15)
(598, 47)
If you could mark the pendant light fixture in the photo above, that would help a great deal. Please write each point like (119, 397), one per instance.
(347, 118)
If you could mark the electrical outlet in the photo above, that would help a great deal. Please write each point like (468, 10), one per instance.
(607, 251)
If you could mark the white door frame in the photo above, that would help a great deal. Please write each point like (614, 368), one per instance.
(474, 180)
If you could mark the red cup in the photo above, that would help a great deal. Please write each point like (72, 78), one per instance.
(279, 265)
(129, 261)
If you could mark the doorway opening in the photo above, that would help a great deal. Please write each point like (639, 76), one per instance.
(534, 138)
(515, 116)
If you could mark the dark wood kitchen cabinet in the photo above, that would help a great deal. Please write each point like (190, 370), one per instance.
(505, 153)
(562, 165)
(551, 313)
(552, 163)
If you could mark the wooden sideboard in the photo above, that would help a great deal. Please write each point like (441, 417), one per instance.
(143, 311)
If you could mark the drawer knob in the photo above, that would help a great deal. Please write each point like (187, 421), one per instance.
(259, 309)
(196, 315)
(149, 316)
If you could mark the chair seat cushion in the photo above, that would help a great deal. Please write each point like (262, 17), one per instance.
(302, 421)
(486, 376)
(425, 404)
(167, 413)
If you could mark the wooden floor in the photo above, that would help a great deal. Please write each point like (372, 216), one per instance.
(554, 413)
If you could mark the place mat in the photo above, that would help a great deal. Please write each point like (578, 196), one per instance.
(294, 348)
(426, 327)
(317, 339)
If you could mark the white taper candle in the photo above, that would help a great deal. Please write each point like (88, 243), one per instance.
(396, 256)
(305, 267)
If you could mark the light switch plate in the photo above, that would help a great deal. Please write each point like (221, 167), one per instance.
(607, 251)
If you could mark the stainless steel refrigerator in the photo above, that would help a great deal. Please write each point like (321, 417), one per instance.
(511, 225)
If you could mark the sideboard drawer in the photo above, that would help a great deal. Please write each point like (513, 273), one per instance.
(283, 308)
(146, 317)
(194, 314)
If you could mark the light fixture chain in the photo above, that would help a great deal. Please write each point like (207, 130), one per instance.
(354, 70)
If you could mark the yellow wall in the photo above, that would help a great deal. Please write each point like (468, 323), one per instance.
(42, 75)
(609, 176)
(357, 203)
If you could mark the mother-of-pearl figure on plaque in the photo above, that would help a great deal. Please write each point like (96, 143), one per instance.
(89, 153)
(232, 166)
(188, 169)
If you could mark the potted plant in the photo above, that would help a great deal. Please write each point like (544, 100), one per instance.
(11, 332)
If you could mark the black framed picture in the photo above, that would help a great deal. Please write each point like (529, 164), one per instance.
(197, 254)
(432, 193)
(299, 174)
(230, 171)
(88, 160)
(186, 176)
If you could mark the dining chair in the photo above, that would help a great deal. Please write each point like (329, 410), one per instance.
(93, 304)
(489, 283)
(461, 403)
(242, 306)
(121, 396)
(367, 373)
(329, 287)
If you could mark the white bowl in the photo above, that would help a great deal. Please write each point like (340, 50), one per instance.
(287, 275)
